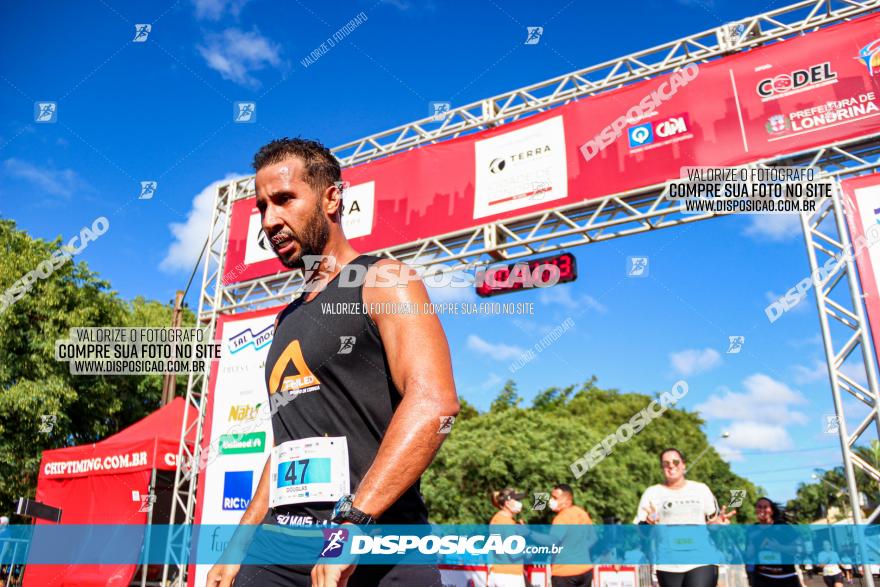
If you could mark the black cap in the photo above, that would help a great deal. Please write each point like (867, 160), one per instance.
(509, 493)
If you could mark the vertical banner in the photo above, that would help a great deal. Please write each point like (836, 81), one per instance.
(861, 200)
(238, 429)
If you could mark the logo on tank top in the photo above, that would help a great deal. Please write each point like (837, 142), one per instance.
(291, 373)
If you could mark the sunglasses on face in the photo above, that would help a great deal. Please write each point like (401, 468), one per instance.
(672, 463)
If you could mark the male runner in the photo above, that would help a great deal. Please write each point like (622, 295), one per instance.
(366, 389)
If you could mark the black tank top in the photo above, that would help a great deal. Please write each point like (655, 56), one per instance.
(332, 368)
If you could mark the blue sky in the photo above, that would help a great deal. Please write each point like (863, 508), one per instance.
(162, 110)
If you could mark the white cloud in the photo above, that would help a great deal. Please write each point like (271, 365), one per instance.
(798, 305)
(189, 236)
(235, 54)
(765, 400)
(773, 227)
(562, 297)
(497, 351)
(57, 182)
(215, 9)
(729, 454)
(804, 374)
(758, 436)
(693, 361)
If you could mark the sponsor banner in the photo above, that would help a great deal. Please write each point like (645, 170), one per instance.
(861, 200)
(616, 577)
(460, 546)
(232, 444)
(237, 428)
(781, 98)
(109, 464)
(518, 168)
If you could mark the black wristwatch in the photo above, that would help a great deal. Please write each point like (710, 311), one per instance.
(344, 511)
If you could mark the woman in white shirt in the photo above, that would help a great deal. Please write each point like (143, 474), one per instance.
(679, 501)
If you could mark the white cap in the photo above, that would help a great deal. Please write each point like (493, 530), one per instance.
(4, 520)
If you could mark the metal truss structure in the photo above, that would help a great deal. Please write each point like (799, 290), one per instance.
(613, 216)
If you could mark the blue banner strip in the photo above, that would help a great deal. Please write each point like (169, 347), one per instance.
(440, 544)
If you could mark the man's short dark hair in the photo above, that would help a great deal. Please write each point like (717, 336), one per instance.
(321, 167)
(565, 488)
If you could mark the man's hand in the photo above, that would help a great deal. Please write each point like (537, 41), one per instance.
(222, 575)
(331, 575)
(653, 516)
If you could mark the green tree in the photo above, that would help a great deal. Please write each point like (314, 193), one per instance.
(532, 448)
(34, 387)
(813, 499)
(507, 399)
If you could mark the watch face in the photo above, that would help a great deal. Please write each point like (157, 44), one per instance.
(343, 507)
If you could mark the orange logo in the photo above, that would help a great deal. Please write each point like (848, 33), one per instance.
(304, 377)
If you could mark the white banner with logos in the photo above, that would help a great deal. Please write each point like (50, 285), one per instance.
(240, 424)
(521, 168)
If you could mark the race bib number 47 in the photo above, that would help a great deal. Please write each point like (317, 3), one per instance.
(308, 470)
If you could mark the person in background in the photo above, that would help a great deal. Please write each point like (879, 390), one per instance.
(509, 506)
(568, 514)
(829, 563)
(680, 501)
(846, 566)
(768, 549)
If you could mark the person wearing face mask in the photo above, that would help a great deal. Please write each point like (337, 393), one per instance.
(567, 515)
(509, 506)
(680, 501)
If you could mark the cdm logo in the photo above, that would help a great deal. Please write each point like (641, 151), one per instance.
(238, 487)
(659, 130)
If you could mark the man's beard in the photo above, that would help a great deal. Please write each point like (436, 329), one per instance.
(312, 241)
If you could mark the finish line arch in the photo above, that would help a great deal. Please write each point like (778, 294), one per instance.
(570, 224)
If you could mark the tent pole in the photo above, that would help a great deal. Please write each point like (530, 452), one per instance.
(150, 492)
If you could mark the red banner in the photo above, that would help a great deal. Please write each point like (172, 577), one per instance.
(782, 98)
(861, 199)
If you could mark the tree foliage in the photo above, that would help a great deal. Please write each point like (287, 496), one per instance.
(33, 385)
(532, 448)
(813, 500)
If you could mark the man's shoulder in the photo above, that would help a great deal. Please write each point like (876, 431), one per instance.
(581, 512)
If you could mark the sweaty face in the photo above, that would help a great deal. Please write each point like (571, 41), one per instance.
(292, 213)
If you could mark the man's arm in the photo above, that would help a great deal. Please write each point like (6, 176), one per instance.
(421, 369)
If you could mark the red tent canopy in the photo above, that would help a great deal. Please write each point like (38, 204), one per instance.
(102, 483)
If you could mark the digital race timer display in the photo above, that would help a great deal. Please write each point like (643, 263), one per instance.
(543, 272)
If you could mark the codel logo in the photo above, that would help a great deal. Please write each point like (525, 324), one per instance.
(796, 81)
